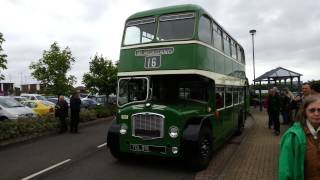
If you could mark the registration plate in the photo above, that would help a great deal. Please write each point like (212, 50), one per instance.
(148, 148)
(139, 148)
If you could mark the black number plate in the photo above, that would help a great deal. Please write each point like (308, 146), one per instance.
(151, 62)
(139, 147)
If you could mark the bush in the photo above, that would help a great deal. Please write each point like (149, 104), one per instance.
(105, 111)
(87, 115)
(26, 127)
(21, 127)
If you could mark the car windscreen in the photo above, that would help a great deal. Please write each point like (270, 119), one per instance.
(9, 103)
(48, 103)
(41, 98)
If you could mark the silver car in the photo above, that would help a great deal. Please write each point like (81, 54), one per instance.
(12, 109)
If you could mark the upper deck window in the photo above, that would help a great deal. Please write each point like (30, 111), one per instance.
(226, 44)
(217, 36)
(176, 26)
(204, 31)
(140, 31)
(233, 49)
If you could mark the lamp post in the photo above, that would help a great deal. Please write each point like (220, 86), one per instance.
(253, 32)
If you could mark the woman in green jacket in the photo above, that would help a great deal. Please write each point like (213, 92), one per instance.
(300, 145)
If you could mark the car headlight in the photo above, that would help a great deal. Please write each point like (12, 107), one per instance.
(123, 129)
(173, 132)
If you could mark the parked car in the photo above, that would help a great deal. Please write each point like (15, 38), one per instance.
(55, 100)
(34, 97)
(12, 109)
(40, 107)
(19, 98)
(89, 103)
(102, 99)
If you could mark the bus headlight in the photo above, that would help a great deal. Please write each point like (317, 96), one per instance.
(123, 129)
(173, 132)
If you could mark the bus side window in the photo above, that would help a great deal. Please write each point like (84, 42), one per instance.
(242, 56)
(228, 97)
(219, 98)
(241, 95)
(205, 30)
(238, 54)
(226, 44)
(217, 37)
(235, 96)
(233, 49)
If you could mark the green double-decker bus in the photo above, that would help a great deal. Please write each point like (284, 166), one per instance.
(181, 86)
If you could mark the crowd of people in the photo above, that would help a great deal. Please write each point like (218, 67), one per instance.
(300, 144)
(286, 104)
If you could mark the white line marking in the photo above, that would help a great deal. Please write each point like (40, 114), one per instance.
(100, 146)
(45, 170)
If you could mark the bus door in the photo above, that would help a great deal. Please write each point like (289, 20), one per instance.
(219, 114)
(236, 107)
(228, 122)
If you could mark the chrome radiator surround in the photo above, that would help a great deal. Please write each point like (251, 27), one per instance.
(147, 125)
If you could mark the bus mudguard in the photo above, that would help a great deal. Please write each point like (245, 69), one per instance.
(193, 127)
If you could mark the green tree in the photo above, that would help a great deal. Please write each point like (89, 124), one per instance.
(102, 77)
(51, 70)
(3, 60)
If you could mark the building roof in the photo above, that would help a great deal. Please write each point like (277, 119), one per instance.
(278, 73)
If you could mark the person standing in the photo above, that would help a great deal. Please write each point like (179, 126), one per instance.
(315, 89)
(285, 107)
(306, 90)
(274, 110)
(75, 104)
(290, 109)
(62, 113)
(300, 145)
(267, 105)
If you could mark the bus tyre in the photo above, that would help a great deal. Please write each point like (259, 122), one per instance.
(240, 126)
(203, 151)
(115, 153)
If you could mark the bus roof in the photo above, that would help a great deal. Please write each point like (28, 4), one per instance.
(175, 9)
(167, 10)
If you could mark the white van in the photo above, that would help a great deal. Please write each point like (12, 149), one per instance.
(12, 109)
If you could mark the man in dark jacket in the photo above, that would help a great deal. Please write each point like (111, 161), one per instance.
(75, 104)
(62, 113)
(274, 110)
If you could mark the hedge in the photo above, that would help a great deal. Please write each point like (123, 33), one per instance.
(10, 129)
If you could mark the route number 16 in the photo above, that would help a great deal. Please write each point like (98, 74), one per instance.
(152, 62)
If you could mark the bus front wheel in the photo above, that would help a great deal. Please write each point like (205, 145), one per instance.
(202, 151)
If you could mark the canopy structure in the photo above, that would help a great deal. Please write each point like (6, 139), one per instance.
(277, 75)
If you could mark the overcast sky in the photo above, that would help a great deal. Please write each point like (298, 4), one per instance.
(288, 31)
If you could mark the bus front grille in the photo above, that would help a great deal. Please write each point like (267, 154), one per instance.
(147, 125)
